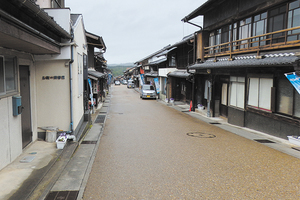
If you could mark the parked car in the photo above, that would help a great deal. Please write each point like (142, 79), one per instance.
(124, 82)
(130, 84)
(117, 82)
(147, 91)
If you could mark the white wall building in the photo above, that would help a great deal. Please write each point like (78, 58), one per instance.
(37, 60)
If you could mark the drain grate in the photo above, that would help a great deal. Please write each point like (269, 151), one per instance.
(296, 148)
(214, 123)
(89, 142)
(67, 195)
(263, 141)
(100, 119)
(201, 135)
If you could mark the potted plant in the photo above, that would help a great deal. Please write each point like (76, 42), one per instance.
(61, 141)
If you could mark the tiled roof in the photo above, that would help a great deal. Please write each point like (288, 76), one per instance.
(268, 60)
(95, 73)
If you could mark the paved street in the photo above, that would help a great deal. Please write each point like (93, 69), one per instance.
(151, 151)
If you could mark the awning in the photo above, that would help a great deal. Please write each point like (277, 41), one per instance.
(95, 41)
(180, 74)
(267, 61)
(164, 53)
(157, 62)
(151, 74)
(206, 7)
(95, 74)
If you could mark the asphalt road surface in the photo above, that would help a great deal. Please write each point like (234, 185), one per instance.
(147, 151)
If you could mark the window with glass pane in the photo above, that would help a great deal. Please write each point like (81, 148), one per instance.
(277, 22)
(211, 42)
(294, 20)
(260, 93)
(245, 31)
(234, 36)
(212, 39)
(2, 89)
(253, 92)
(265, 86)
(259, 28)
(225, 37)
(218, 40)
(10, 77)
(233, 93)
(224, 94)
(237, 91)
(172, 61)
(285, 92)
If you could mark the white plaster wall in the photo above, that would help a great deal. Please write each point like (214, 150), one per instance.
(80, 38)
(15, 130)
(53, 96)
(65, 54)
(10, 133)
(61, 16)
(4, 134)
(164, 71)
(44, 3)
(10, 126)
(63, 19)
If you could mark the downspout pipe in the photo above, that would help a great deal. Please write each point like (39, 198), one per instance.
(71, 82)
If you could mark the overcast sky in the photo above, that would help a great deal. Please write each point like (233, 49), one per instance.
(134, 29)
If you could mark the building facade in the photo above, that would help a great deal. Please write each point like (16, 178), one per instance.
(43, 65)
(244, 52)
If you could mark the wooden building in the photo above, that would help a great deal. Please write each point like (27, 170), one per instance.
(243, 53)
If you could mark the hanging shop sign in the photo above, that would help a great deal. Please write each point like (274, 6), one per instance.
(294, 79)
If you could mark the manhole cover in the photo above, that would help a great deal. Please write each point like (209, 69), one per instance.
(201, 135)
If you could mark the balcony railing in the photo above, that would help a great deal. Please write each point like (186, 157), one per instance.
(286, 38)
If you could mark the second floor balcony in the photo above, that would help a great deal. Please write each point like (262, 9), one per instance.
(283, 39)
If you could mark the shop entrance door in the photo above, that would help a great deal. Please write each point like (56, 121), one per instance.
(26, 110)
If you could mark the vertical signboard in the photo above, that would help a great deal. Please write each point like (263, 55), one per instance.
(157, 85)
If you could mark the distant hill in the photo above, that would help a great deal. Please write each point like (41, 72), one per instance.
(118, 69)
